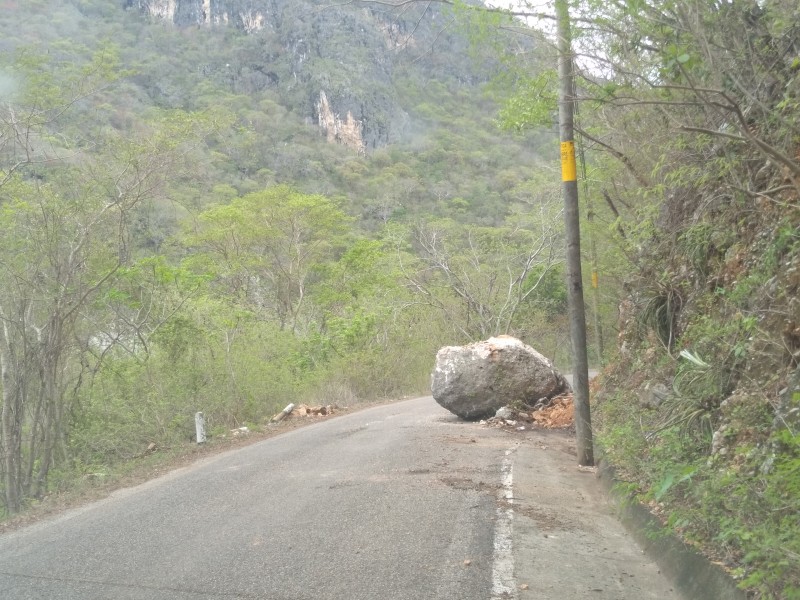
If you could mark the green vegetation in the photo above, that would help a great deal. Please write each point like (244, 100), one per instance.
(178, 235)
(696, 170)
(688, 114)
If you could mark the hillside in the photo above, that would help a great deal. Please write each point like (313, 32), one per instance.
(293, 78)
(696, 146)
(302, 202)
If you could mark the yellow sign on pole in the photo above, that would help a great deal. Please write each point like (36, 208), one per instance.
(569, 170)
(595, 280)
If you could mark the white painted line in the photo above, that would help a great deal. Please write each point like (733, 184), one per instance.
(503, 587)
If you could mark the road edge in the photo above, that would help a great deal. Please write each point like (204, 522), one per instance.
(55, 504)
(694, 576)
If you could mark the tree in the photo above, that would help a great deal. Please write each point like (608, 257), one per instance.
(65, 240)
(480, 278)
(264, 246)
(56, 258)
(37, 93)
(42, 264)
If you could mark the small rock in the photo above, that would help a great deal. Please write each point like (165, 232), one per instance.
(505, 412)
(653, 397)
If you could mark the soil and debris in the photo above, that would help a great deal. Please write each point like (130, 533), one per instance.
(559, 413)
(302, 410)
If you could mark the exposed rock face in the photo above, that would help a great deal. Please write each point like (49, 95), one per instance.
(159, 9)
(204, 12)
(252, 20)
(346, 132)
(474, 381)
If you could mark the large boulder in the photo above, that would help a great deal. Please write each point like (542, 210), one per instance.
(474, 381)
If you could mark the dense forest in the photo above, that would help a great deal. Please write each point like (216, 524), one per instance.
(226, 206)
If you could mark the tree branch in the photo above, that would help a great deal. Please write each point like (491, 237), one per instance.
(623, 158)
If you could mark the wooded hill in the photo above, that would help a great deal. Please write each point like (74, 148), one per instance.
(209, 216)
(232, 205)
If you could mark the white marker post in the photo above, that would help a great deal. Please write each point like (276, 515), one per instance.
(200, 427)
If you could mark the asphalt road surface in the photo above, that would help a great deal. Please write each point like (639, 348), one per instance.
(394, 502)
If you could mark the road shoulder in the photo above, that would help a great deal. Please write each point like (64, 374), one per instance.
(568, 542)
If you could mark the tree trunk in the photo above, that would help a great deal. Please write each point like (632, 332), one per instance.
(10, 425)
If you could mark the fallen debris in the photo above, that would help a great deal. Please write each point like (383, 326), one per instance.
(303, 410)
(313, 411)
(558, 413)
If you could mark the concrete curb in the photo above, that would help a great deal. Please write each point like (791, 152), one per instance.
(693, 575)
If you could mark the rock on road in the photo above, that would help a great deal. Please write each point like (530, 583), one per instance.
(402, 501)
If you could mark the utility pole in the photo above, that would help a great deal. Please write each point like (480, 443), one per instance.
(569, 177)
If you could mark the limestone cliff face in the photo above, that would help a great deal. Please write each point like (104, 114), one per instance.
(159, 9)
(248, 15)
(345, 131)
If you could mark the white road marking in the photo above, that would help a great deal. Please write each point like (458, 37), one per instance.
(503, 586)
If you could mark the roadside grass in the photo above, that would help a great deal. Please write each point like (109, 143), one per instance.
(739, 505)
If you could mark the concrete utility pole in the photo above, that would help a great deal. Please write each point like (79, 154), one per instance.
(569, 177)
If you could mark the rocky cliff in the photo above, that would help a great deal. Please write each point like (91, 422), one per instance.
(343, 58)
(247, 15)
(347, 131)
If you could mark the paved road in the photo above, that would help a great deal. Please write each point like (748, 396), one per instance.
(394, 502)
